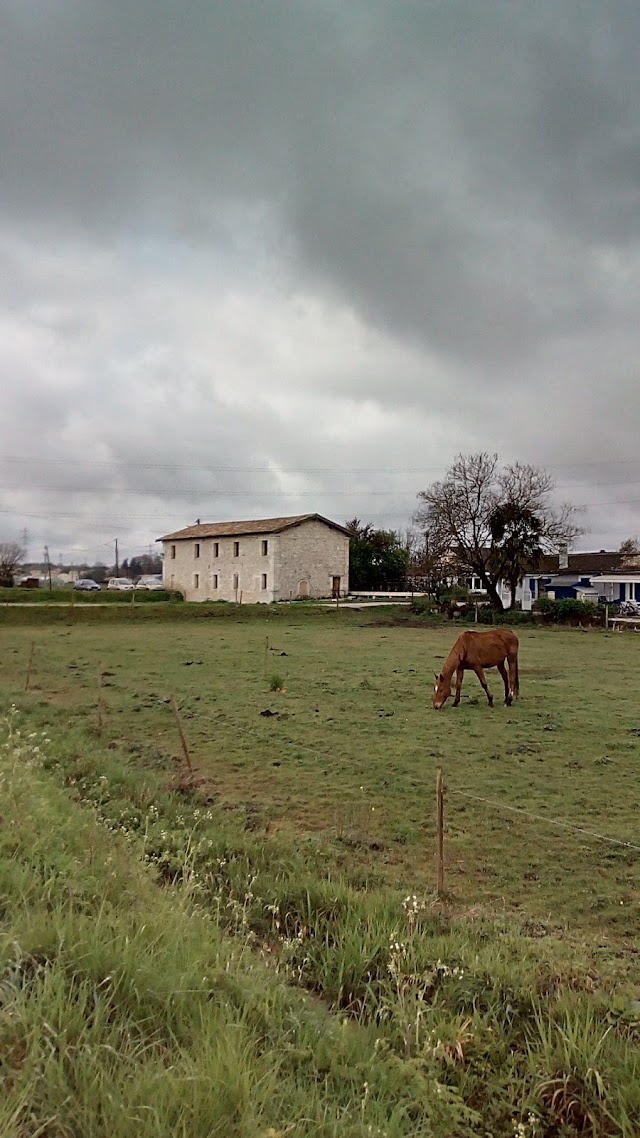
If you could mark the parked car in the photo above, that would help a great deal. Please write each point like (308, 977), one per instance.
(87, 585)
(150, 581)
(123, 584)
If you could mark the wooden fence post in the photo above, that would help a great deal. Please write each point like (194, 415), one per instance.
(28, 679)
(440, 830)
(266, 654)
(99, 701)
(185, 748)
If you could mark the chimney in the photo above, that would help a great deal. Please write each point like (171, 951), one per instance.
(563, 557)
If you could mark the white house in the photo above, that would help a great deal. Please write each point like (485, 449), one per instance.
(262, 560)
(581, 576)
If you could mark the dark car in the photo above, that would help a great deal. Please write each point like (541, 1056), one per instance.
(87, 585)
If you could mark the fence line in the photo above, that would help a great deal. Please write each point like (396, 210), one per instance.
(558, 823)
(451, 790)
(541, 818)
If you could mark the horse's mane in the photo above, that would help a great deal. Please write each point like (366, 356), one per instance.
(454, 657)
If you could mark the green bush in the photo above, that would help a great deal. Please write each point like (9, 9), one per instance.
(424, 606)
(488, 615)
(568, 611)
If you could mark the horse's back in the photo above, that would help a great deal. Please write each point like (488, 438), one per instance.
(490, 644)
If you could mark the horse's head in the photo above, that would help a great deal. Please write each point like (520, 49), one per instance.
(441, 691)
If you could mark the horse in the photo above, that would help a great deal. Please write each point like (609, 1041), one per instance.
(474, 651)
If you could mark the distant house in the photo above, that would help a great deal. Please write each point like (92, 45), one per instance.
(262, 560)
(621, 582)
(579, 576)
(576, 574)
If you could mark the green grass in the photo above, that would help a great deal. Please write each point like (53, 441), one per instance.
(348, 761)
(303, 848)
(67, 595)
(123, 1009)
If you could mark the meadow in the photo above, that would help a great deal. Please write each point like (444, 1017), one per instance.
(306, 836)
(346, 757)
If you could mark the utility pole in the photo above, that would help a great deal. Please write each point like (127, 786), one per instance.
(48, 564)
(117, 566)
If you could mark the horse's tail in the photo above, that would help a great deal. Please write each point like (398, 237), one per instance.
(516, 688)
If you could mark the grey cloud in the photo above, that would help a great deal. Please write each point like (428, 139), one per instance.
(401, 145)
(461, 178)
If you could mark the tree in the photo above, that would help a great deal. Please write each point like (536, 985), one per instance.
(517, 532)
(498, 520)
(377, 558)
(11, 556)
(147, 563)
(630, 547)
(430, 561)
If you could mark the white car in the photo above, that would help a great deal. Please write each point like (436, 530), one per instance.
(150, 581)
(123, 584)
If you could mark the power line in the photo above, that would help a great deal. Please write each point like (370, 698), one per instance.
(267, 469)
(187, 492)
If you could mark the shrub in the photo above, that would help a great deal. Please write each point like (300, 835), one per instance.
(568, 611)
(424, 606)
(487, 615)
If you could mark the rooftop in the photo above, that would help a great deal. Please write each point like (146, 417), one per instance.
(253, 526)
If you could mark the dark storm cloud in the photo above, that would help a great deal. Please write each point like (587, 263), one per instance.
(439, 163)
(455, 185)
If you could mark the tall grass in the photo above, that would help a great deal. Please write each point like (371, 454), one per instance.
(154, 962)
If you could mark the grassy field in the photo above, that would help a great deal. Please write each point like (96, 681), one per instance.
(348, 760)
(510, 1007)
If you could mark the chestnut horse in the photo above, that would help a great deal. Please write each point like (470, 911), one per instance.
(474, 651)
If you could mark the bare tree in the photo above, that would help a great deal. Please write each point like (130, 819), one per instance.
(430, 560)
(11, 556)
(630, 547)
(498, 520)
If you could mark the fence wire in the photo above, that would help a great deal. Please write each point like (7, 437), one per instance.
(541, 818)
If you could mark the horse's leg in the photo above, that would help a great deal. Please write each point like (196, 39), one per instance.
(505, 679)
(481, 676)
(514, 682)
(459, 679)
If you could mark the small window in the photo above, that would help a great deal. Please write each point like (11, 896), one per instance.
(264, 580)
(196, 580)
(196, 549)
(215, 580)
(236, 549)
(265, 548)
(216, 549)
(173, 550)
(235, 581)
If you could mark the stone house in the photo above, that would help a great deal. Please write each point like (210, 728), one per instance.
(267, 559)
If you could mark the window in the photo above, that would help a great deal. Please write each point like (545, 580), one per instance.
(265, 548)
(264, 580)
(215, 580)
(216, 549)
(196, 580)
(196, 549)
(173, 550)
(236, 549)
(235, 581)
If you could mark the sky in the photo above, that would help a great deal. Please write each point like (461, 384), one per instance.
(271, 257)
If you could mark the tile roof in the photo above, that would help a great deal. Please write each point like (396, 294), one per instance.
(588, 563)
(255, 525)
(581, 564)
